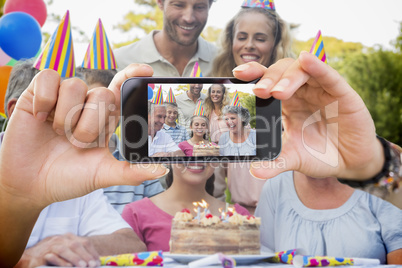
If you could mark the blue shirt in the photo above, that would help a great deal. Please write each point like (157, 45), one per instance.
(178, 133)
(228, 147)
(364, 226)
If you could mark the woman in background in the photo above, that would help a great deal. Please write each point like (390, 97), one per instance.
(239, 140)
(253, 34)
(213, 104)
(199, 132)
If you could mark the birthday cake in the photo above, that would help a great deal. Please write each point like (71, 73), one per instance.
(206, 149)
(234, 235)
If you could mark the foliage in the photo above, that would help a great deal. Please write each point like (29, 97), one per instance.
(1, 7)
(377, 77)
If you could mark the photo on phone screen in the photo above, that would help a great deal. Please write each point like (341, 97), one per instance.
(197, 119)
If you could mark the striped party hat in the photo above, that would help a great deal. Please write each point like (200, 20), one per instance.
(170, 97)
(235, 100)
(99, 54)
(199, 109)
(196, 70)
(318, 48)
(158, 97)
(58, 54)
(267, 4)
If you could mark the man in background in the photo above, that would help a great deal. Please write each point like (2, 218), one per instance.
(175, 49)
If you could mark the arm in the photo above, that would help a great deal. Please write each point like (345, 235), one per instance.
(120, 242)
(345, 132)
(60, 250)
(55, 149)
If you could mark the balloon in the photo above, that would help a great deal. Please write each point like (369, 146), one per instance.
(150, 93)
(4, 58)
(20, 35)
(35, 8)
(4, 75)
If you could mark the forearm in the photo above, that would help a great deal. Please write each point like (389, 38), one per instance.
(120, 242)
(17, 218)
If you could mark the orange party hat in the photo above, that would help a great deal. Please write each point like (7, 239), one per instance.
(170, 97)
(267, 4)
(99, 54)
(158, 97)
(235, 100)
(318, 48)
(199, 109)
(196, 70)
(58, 54)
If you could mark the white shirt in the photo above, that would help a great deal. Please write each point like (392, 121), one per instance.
(84, 216)
(162, 142)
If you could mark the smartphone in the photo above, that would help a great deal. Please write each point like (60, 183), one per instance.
(142, 123)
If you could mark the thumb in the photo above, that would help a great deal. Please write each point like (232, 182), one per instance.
(269, 169)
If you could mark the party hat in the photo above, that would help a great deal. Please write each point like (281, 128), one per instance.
(235, 100)
(267, 4)
(99, 54)
(196, 70)
(58, 53)
(170, 97)
(158, 97)
(199, 110)
(318, 48)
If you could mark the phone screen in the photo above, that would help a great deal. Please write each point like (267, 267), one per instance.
(197, 119)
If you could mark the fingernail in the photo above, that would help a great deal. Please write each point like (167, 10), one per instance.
(241, 68)
(281, 85)
(164, 174)
(263, 84)
(92, 263)
(82, 264)
(42, 116)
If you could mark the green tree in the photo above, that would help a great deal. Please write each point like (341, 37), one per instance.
(377, 77)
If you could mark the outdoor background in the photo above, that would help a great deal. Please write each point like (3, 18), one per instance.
(362, 39)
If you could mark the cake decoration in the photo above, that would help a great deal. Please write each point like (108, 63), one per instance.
(206, 149)
(196, 70)
(158, 97)
(318, 48)
(267, 4)
(209, 234)
(58, 53)
(99, 54)
(170, 98)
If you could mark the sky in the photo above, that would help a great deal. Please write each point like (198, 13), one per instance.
(369, 22)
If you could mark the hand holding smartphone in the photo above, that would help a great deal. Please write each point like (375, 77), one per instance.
(252, 126)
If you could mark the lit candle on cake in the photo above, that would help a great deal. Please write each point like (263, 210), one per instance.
(198, 210)
(204, 205)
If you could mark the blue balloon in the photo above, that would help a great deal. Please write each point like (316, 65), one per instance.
(150, 93)
(20, 35)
